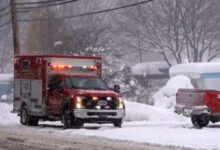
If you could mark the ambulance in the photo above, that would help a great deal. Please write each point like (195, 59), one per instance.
(64, 88)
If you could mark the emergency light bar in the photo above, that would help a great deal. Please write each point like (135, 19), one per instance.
(63, 67)
(74, 66)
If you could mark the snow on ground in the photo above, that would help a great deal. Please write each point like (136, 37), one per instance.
(154, 125)
(6, 117)
(140, 112)
(3, 97)
(166, 96)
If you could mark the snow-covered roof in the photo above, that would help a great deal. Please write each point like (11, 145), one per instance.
(199, 68)
(6, 77)
(149, 68)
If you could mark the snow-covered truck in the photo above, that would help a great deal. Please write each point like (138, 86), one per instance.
(66, 88)
(202, 103)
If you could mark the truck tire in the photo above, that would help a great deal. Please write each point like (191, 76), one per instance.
(67, 119)
(24, 117)
(33, 121)
(78, 123)
(117, 123)
(200, 121)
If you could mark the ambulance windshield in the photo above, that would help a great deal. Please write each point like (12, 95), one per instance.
(86, 83)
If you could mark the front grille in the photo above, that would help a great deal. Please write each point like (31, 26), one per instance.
(101, 102)
(101, 113)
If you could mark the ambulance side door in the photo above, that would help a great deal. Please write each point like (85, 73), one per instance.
(55, 94)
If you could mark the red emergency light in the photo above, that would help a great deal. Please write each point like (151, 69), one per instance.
(93, 68)
(57, 67)
(62, 67)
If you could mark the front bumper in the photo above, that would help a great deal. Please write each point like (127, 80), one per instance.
(99, 114)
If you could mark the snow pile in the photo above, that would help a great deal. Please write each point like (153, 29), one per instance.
(166, 96)
(6, 117)
(6, 77)
(149, 68)
(142, 112)
(136, 111)
(3, 98)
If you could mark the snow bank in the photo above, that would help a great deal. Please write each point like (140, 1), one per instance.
(6, 117)
(149, 68)
(6, 77)
(4, 98)
(142, 112)
(166, 96)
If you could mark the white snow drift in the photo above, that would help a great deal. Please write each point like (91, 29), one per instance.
(166, 96)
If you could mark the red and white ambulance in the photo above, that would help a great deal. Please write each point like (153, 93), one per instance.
(66, 88)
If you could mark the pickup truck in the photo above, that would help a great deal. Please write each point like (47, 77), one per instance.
(202, 106)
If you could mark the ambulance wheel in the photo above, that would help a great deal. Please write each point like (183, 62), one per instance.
(33, 121)
(200, 121)
(117, 123)
(24, 117)
(67, 119)
(78, 123)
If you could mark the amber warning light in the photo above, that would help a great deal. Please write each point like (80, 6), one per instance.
(66, 67)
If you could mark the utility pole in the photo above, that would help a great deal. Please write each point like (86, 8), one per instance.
(139, 47)
(15, 29)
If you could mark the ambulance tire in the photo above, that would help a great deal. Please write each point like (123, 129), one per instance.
(67, 119)
(24, 117)
(117, 123)
(33, 121)
(78, 123)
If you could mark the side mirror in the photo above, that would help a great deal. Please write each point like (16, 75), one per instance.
(117, 88)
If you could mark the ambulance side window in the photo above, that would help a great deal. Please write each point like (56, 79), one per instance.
(54, 82)
(25, 65)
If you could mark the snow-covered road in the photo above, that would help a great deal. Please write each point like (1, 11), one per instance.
(17, 137)
(162, 128)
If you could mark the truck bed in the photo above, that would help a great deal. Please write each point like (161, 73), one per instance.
(189, 100)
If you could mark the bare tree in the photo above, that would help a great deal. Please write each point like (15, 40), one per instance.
(180, 30)
(86, 35)
(6, 51)
(45, 36)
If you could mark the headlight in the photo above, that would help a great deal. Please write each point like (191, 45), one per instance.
(109, 98)
(121, 104)
(79, 102)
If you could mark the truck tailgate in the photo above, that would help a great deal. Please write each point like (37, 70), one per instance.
(189, 100)
(190, 97)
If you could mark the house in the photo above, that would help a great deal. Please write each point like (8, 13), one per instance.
(205, 75)
(153, 70)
